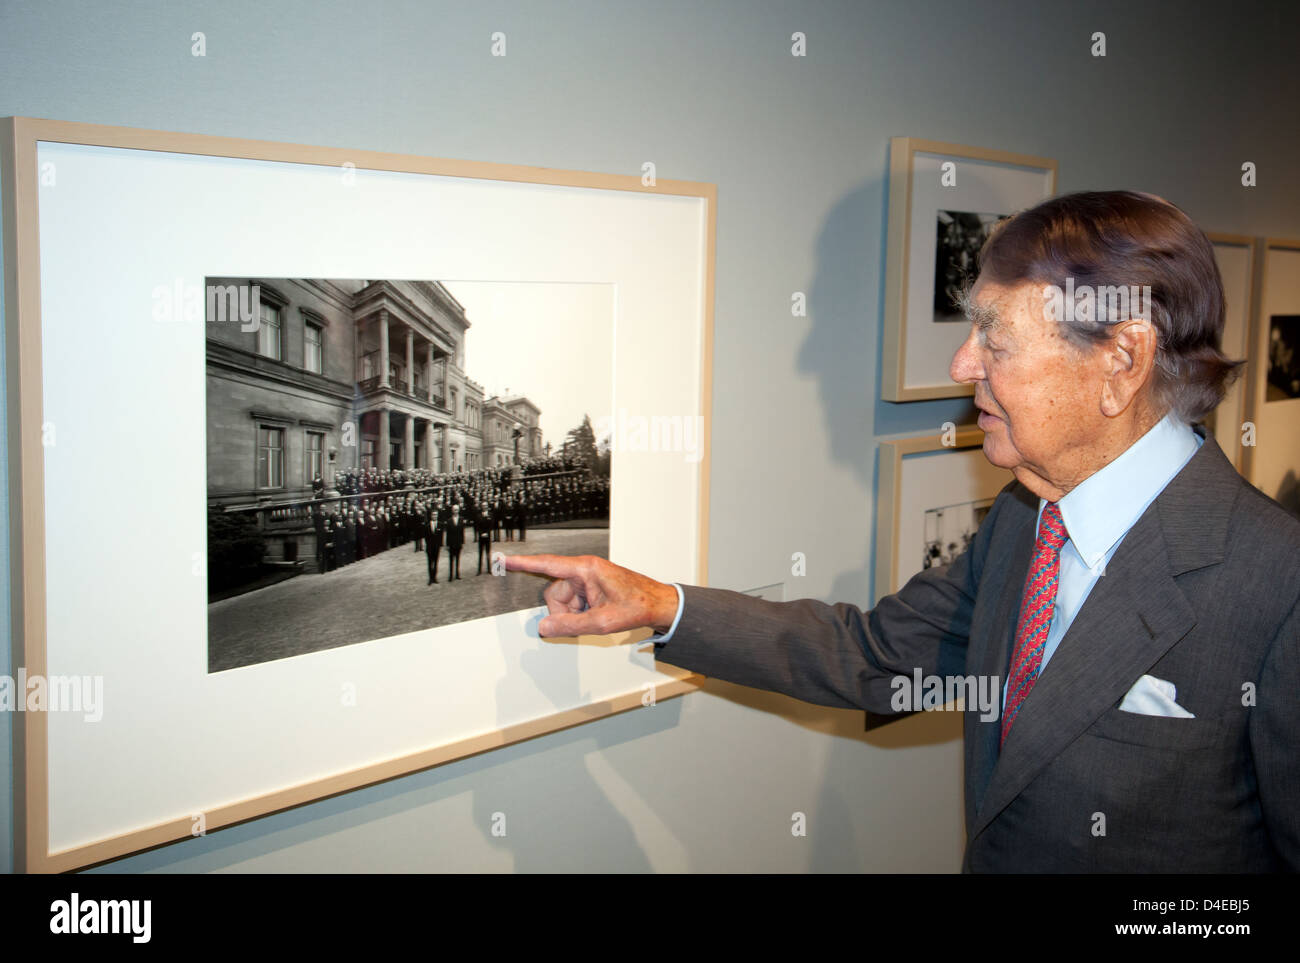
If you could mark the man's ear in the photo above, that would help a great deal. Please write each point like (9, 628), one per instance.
(1129, 361)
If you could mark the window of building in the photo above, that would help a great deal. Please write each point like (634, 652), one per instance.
(315, 455)
(270, 457)
(268, 332)
(368, 453)
(314, 349)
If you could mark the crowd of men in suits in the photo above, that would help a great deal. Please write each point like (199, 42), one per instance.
(353, 481)
(432, 511)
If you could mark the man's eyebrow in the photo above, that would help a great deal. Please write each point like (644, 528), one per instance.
(983, 316)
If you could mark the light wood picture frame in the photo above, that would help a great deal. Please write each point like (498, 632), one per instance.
(1272, 463)
(178, 748)
(933, 491)
(967, 189)
(1236, 257)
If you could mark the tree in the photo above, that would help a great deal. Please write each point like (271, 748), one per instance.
(580, 445)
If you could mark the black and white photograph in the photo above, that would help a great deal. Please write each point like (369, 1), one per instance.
(959, 235)
(1283, 357)
(374, 446)
(950, 530)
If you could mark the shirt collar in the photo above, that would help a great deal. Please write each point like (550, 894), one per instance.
(1100, 510)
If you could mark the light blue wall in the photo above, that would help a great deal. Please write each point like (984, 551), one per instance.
(798, 149)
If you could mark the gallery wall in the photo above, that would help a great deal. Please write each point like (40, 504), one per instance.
(798, 147)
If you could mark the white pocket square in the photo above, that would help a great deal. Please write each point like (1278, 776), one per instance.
(1154, 697)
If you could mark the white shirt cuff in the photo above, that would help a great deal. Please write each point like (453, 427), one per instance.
(681, 604)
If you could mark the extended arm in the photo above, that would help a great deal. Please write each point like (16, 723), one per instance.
(829, 654)
(836, 655)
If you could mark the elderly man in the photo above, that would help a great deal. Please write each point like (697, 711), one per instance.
(1134, 600)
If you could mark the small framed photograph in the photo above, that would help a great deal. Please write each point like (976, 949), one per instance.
(934, 492)
(944, 199)
(1272, 380)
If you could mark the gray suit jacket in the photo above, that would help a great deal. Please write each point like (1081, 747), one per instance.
(1203, 592)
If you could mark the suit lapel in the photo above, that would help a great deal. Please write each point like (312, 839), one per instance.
(994, 656)
(1132, 616)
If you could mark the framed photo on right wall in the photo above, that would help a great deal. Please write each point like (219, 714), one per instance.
(1272, 464)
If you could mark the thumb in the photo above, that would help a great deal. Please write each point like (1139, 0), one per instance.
(565, 624)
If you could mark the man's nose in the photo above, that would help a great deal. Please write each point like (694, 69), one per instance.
(966, 366)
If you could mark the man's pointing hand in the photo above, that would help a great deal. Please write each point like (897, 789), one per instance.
(593, 596)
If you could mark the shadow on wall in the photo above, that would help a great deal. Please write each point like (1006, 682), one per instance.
(843, 352)
(538, 828)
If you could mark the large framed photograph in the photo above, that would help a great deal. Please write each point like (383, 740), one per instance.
(1273, 376)
(276, 413)
(944, 199)
(1235, 256)
(934, 492)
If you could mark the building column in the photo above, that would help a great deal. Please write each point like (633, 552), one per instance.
(383, 355)
(408, 443)
(410, 363)
(429, 373)
(385, 453)
(428, 444)
(446, 456)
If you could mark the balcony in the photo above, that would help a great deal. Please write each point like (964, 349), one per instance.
(371, 386)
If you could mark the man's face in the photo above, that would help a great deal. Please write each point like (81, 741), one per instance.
(1039, 397)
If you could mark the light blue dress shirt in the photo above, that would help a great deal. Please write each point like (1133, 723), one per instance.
(1098, 513)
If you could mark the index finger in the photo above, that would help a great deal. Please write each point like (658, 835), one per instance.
(556, 566)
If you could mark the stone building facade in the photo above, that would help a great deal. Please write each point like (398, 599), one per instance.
(310, 377)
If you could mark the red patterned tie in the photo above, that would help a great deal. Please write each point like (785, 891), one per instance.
(1035, 612)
